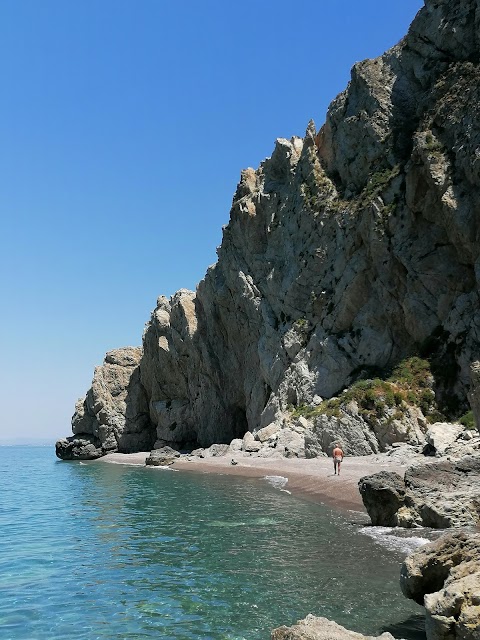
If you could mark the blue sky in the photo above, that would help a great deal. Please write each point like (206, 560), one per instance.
(124, 125)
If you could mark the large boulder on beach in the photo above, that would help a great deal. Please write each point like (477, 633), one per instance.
(315, 628)
(445, 577)
(162, 457)
(439, 494)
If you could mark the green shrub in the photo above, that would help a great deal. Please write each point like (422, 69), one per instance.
(468, 420)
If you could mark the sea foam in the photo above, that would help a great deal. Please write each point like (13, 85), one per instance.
(390, 538)
(276, 481)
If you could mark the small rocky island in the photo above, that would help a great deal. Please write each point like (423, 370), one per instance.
(344, 307)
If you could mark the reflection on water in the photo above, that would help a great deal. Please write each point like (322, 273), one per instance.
(121, 552)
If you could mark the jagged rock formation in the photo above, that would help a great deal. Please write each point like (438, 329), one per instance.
(437, 494)
(346, 251)
(313, 628)
(114, 415)
(445, 577)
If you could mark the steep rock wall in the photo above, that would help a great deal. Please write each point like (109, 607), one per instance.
(346, 251)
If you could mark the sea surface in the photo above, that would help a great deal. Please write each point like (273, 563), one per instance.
(104, 551)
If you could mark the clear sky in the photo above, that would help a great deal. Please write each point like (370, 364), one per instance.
(124, 125)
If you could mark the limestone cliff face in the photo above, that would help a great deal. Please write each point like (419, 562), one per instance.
(347, 250)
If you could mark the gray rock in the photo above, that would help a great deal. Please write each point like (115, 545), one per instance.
(440, 436)
(264, 434)
(235, 445)
(290, 444)
(474, 393)
(216, 450)
(314, 628)
(250, 444)
(439, 494)
(79, 447)
(383, 494)
(346, 250)
(445, 577)
(162, 457)
(115, 411)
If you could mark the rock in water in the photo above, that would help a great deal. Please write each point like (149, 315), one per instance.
(346, 251)
(445, 577)
(84, 447)
(313, 628)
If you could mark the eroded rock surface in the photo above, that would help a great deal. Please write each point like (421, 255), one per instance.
(439, 494)
(445, 577)
(114, 415)
(346, 250)
(162, 457)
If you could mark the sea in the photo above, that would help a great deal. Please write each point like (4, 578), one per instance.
(96, 551)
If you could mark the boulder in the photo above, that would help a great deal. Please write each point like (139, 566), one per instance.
(440, 436)
(439, 494)
(289, 443)
(383, 494)
(216, 450)
(235, 445)
(79, 447)
(162, 457)
(445, 577)
(250, 444)
(314, 628)
(264, 434)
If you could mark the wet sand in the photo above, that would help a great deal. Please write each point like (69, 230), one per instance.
(309, 479)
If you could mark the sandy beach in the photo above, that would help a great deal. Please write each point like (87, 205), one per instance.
(309, 479)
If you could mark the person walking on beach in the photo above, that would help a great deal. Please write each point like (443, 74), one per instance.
(337, 456)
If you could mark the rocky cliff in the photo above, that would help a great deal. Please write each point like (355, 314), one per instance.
(347, 251)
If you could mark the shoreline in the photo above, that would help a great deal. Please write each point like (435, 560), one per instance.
(310, 479)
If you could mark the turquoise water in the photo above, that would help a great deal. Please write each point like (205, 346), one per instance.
(97, 551)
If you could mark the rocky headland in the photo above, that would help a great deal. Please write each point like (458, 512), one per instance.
(344, 303)
(344, 307)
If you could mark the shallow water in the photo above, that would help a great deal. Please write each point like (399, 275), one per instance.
(97, 551)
